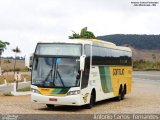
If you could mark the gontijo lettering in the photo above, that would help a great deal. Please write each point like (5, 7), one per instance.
(118, 72)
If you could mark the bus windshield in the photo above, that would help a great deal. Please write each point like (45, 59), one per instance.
(55, 72)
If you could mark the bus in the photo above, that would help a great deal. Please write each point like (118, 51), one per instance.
(80, 72)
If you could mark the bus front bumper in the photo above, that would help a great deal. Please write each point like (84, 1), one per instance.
(75, 100)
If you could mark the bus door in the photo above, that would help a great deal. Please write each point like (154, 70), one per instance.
(85, 74)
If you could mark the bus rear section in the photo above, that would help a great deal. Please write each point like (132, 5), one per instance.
(111, 71)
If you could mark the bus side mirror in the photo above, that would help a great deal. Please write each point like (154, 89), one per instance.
(82, 62)
(29, 61)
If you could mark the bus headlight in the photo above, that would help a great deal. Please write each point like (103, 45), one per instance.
(75, 92)
(35, 91)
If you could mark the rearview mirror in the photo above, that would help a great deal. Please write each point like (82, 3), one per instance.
(82, 62)
(29, 61)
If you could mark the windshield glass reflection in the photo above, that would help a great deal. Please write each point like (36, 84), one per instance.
(55, 72)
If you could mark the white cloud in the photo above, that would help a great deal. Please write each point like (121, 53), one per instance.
(24, 23)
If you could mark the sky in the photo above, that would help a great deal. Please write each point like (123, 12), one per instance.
(23, 23)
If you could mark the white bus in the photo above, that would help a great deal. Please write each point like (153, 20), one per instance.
(80, 72)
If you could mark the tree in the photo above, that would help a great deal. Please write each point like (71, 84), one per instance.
(16, 50)
(74, 36)
(3, 45)
(83, 34)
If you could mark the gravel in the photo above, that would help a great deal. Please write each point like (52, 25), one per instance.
(145, 98)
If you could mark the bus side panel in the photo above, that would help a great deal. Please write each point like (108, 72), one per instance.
(99, 82)
(107, 80)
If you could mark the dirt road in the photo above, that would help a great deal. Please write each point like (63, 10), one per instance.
(145, 98)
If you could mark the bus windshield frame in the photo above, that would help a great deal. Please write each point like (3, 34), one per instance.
(53, 71)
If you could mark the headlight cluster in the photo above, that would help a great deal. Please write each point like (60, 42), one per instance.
(35, 91)
(75, 92)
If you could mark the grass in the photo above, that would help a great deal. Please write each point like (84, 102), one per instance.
(143, 65)
(25, 89)
(7, 94)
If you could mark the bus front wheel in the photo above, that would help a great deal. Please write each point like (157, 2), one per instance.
(92, 101)
(50, 106)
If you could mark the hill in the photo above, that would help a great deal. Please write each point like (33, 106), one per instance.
(143, 46)
(148, 42)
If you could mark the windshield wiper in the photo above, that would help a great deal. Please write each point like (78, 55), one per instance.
(56, 72)
(50, 73)
(60, 78)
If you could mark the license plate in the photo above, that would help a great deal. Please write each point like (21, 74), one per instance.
(53, 99)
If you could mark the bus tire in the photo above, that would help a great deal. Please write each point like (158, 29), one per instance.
(92, 101)
(50, 106)
(120, 95)
(124, 91)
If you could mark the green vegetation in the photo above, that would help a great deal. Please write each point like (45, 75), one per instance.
(3, 46)
(16, 69)
(23, 89)
(83, 34)
(7, 94)
(146, 65)
(149, 42)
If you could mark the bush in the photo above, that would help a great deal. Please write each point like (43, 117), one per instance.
(7, 94)
(23, 89)
(146, 65)
(17, 69)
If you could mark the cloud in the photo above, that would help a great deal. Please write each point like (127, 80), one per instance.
(24, 23)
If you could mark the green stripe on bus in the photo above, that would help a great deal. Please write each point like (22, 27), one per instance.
(60, 91)
(56, 91)
(64, 91)
(105, 79)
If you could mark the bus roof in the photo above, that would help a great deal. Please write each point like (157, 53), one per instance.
(95, 42)
(102, 43)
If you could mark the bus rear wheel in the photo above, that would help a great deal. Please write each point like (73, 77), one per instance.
(124, 91)
(120, 95)
(50, 106)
